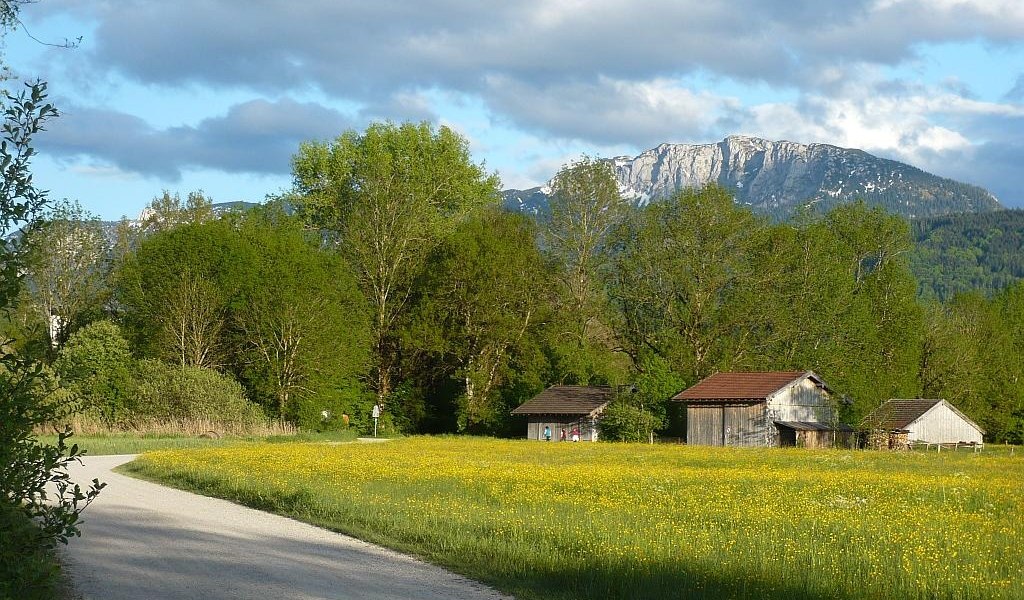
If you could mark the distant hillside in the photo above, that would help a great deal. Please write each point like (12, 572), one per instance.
(959, 253)
(775, 178)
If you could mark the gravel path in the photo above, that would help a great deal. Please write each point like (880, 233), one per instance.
(142, 540)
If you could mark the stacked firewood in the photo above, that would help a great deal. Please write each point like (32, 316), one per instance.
(899, 440)
(877, 439)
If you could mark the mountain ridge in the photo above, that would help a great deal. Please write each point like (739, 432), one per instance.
(777, 177)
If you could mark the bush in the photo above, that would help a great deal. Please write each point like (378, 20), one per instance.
(96, 365)
(169, 392)
(26, 567)
(39, 507)
(624, 422)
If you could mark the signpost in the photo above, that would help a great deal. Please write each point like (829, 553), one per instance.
(376, 415)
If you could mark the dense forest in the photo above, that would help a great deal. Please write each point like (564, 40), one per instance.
(969, 252)
(390, 274)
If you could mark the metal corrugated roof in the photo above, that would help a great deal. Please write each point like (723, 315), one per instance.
(566, 400)
(744, 386)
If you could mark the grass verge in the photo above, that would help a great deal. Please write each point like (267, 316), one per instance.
(635, 521)
(127, 443)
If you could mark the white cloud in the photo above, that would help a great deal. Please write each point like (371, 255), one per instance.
(571, 74)
(610, 111)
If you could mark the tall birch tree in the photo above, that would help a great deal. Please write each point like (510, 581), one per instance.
(388, 196)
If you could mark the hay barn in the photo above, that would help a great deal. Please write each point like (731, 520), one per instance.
(775, 408)
(565, 407)
(924, 421)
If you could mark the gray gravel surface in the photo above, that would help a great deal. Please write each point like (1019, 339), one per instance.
(142, 540)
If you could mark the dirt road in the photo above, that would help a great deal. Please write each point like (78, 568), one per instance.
(141, 540)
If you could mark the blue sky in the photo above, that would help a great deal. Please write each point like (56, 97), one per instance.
(216, 96)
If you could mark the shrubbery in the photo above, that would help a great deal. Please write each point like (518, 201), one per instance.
(623, 421)
(39, 506)
(96, 366)
(171, 392)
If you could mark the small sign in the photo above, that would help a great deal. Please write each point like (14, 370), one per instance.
(376, 411)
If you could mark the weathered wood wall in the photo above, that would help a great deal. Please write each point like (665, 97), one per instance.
(824, 439)
(802, 402)
(725, 424)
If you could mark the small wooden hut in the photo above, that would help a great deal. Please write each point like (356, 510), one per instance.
(775, 408)
(565, 407)
(906, 422)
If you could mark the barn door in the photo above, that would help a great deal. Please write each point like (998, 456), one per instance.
(715, 426)
(738, 428)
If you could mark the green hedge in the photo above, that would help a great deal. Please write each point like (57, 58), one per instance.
(191, 393)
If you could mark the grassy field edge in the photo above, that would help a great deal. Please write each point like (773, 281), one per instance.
(646, 521)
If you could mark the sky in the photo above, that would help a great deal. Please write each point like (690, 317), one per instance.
(216, 96)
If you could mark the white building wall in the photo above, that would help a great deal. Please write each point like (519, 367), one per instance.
(942, 425)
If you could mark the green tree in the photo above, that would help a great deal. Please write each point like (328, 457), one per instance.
(39, 506)
(585, 206)
(163, 213)
(885, 319)
(301, 322)
(190, 322)
(642, 409)
(65, 263)
(173, 292)
(389, 195)
(252, 295)
(679, 269)
(167, 212)
(835, 295)
(481, 297)
(972, 356)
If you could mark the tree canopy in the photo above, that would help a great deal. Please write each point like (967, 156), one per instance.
(388, 196)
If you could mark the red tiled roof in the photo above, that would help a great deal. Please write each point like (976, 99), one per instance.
(566, 400)
(744, 386)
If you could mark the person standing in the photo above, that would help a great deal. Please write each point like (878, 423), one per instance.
(547, 433)
(575, 434)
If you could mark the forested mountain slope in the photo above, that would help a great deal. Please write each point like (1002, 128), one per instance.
(968, 252)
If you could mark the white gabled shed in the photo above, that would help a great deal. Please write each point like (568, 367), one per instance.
(928, 421)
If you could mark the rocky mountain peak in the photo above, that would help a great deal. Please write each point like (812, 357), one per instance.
(776, 177)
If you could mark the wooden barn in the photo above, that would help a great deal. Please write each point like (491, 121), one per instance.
(924, 421)
(565, 407)
(776, 408)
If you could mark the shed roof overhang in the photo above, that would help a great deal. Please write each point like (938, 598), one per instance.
(812, 426)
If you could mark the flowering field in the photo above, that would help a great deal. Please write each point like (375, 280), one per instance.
(635, 521)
